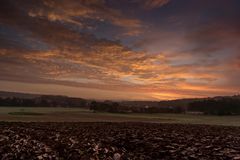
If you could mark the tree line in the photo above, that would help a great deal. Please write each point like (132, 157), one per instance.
(43, 101)
(211, 106)
(115, 107)
(217, 106)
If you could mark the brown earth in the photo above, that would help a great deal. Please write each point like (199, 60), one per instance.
(117, 141)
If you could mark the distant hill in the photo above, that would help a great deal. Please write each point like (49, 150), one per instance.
(37, 100)
(220, 105)
(173, 103)
(5, 94)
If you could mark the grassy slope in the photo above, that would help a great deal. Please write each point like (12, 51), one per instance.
(83, 115)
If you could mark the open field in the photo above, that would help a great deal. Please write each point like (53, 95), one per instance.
(25, 114)
(117, 141)
(74, 133)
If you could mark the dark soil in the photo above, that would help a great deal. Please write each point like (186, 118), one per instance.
(117, 141)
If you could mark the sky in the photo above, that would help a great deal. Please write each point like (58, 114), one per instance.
(121, 49)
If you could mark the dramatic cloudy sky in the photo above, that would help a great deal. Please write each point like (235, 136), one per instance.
(121, 49)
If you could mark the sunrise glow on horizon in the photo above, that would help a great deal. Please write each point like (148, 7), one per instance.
(121, 49)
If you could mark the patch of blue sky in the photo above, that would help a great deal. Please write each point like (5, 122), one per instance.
(81, 80)
(105, 30)
(21, 39)
(198, 80)
(132, 79)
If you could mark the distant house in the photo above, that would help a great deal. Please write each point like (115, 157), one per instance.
(146, 106)
(194, 112)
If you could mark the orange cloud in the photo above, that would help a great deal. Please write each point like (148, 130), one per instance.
(69, 57)
(67, 11)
